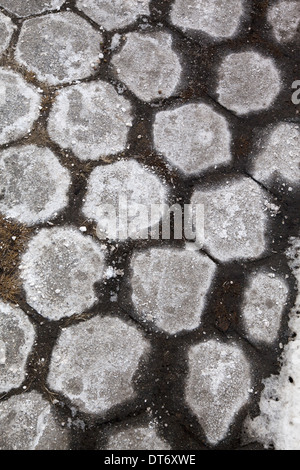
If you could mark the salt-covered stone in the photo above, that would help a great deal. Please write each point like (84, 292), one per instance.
(6, 31)
(284, 17)
(23, 8)
(137, 438)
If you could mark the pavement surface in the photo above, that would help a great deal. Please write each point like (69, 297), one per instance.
(109, 340)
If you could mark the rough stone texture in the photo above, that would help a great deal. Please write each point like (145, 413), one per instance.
(33, 184)
(125, 185)
(59, 270)
(91, 119)
(137, 438)
(16, 340)
(148, 65)
(193, 137)
(248, 82)
(6, 31)
(94, 362)
(262, 307)
(284, 17)
(169, 287)
(58, 48)
(23, 8)
(27, 423)
(19, 106)
(112, 14)
(278, 158)
(235, 219)
(217, 386)
(211, 16)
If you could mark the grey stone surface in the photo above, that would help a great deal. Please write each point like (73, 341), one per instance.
(235, 219)
(217, 386)
(59, 47)
(23, 8)
(94, 362)
(91, 119)
(112, 14)
(6, 31)
(215, 18)
(137, 438)
(248, 82)
(169, 287)
(59, 269)
(33, 184)
(284, 17)
(17, 336)
(19, 106)
(193, 137)
(28, 423)
(148, 65)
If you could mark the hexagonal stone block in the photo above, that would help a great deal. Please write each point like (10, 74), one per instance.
(148, 65)
(19, 106)
(137, 438)
(193, 137)
(248, 82)
(262, 307)
(6, 31)
(119, 199)
(23, 8)
(279, 158)
(59, 270)
(217, 386)
(284, 17)
(235, 219)
(176, 302)
(16, 340)
(112, 14)
(91, 119)
(58, 48)
(211, 16)
(94, 362)
(33, 184)
(28, 423)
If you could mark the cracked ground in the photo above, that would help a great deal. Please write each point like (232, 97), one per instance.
(166, 342)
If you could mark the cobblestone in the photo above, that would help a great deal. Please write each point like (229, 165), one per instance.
(6, 31)
(284, 16)
(23, 8)
(137, 438)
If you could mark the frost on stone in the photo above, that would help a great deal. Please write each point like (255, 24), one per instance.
(112, 14)
(28, 423)
(137, 438)
(263, 305)
(91, 119)
(16, 340)
(235, 219)
(58, 48)
(19, 106)
(59, 270)
(119, 199)
(211, 16)
(248, 82)
(148, 65)
(33, 184)
(94, 362)
(23, 8)
(6, 31)
(284, 17)
(169, 287)
(217, 386)
(278, 158)
(193, 137)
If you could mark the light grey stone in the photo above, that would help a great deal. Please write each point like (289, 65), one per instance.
(193, 137)
(148, 65)
(217, 386)
(169, 287)
(33, 184)
(91, 119)
(59, 269)
(6, 31)
(284, 17)
(28, 423)
(94, 362)
(59, 47)
(19, 106)
(248, 82)
(17, 336)
(137, 438)
(23, 8)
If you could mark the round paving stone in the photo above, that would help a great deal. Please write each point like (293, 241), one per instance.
(23, 8)
(6, 31)
(284, 17)
(137, 438)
